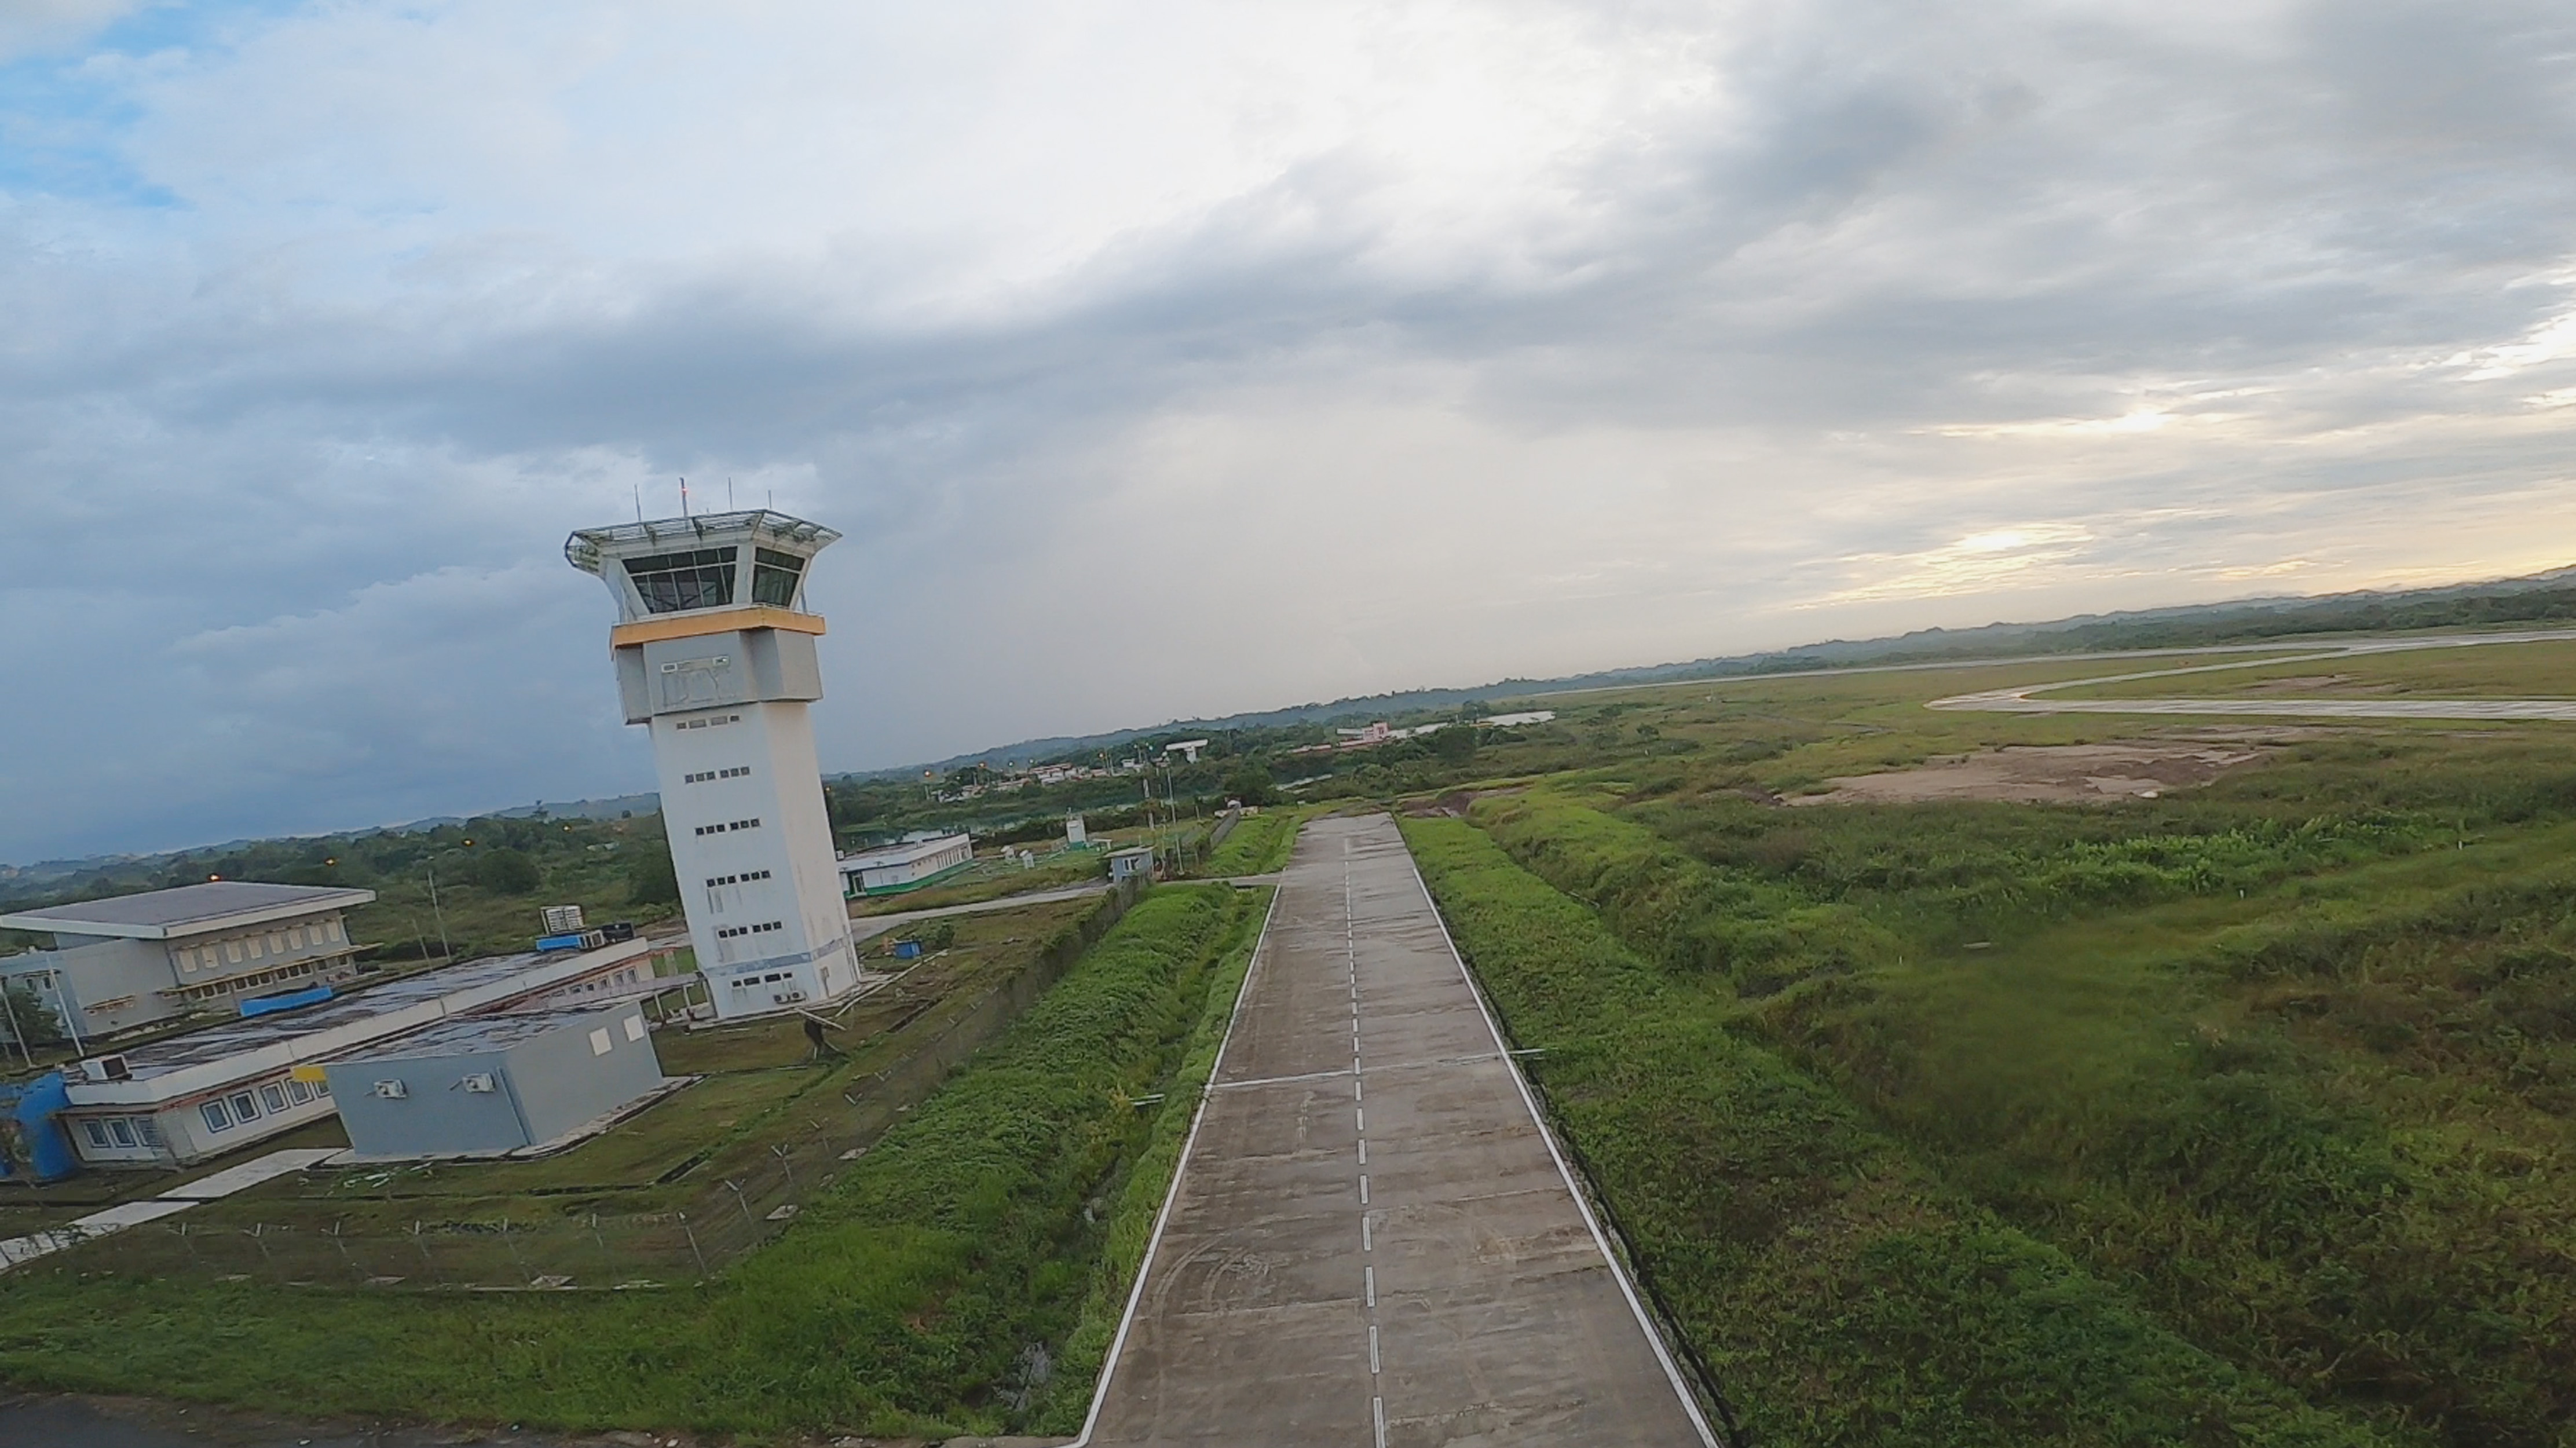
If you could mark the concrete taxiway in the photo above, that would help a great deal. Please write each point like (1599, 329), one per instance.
(1371, 1241)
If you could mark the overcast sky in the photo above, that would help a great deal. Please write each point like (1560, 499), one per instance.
(1173, 359)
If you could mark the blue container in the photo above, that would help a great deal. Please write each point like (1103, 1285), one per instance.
(559, 942)
(291, 1001)
(32, 1144)
(906, 949)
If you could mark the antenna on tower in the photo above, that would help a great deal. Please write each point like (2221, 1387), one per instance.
(728, 495)
(684, 497)
(639, 502)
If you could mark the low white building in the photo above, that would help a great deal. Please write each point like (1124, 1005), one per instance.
(892, 869)
(136, 959)
(184, 1098)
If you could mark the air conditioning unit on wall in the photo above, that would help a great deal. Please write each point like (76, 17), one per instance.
(392, 1090)
(479, 1081)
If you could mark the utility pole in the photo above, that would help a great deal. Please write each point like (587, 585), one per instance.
(16, 1032)
(445, 950)
(70, 1011)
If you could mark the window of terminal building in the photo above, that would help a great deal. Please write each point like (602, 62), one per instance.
(122, 1130)
(695, 578)
(97, 1133)
(274, 1095)
(146, 1131)
(232, 951)
(297, 1091)
(774, 576)
(217, 1119)
(244, 1108)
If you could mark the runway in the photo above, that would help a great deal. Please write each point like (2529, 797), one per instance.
(1370, 1241)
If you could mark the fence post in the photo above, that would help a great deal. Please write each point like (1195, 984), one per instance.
(687, 1231)
(515, 1259)
(421, 1241)
(739, 1202)
(340, 1240)
(779, 1150)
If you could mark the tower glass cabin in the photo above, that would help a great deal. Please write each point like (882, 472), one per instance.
(715, 653)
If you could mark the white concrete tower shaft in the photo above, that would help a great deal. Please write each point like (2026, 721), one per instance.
(715, 653)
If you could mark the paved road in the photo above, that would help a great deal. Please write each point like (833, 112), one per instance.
(1370, 1241)
(2033, 700)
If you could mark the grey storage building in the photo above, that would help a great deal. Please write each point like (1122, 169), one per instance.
(483, 1085)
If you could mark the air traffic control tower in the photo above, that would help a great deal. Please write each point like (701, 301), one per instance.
(715, 652)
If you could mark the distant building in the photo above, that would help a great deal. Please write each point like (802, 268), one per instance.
(893, 869)
(135, 959)
(1514, 721)
(488, 1084)
(1129, 863)
(1186, 748)
(184, 1098)
(1077, 835)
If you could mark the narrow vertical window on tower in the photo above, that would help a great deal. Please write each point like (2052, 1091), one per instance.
(774, 576)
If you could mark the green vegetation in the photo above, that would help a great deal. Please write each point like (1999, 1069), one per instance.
(1259, 844)
(926, 1289)
(1148, 1181)
(2283, 1062)
(456, 890)
(1841, 1293)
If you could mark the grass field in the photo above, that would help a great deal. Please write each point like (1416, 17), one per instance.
(1258, 845)
(2284, 1065)
(1841, 1292)
(2238, 1115)
(2488, 671)
(926, 1289)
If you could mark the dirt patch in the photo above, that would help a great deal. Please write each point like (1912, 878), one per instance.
(2046, 774)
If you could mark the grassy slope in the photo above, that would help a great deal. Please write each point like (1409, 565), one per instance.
(903, 1300)
(1843, 1295)
(2309, 1122)
(1259, 844)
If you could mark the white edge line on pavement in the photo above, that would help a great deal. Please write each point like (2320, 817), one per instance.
(1163, 1215)
(1646, 1324)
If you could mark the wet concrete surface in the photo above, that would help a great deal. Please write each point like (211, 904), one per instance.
(1371, 1241)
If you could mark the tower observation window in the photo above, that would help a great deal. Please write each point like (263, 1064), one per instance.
(774, 575)
(670, 582)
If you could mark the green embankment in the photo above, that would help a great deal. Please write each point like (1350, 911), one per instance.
(931, 1288)
(2295, 1085)
(1259, 843)
(1842, 1294)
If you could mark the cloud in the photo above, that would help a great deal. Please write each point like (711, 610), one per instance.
(37, 25)
(1355, 346)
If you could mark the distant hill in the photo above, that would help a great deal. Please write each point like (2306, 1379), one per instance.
(2537, 598)
(19, 879)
